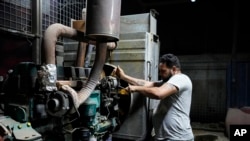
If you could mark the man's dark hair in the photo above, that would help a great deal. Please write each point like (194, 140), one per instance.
(170, 60)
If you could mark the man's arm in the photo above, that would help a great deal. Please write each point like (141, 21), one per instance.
(155, 92)
(136, 81)
(131, 80)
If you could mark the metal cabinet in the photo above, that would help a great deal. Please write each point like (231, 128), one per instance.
(138, 54)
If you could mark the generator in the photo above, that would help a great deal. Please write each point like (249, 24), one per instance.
(31, 113)
(72, 94)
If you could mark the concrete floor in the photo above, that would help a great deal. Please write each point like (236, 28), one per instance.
(203, 135)
(209, 132)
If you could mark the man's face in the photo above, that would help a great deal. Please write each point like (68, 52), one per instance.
(164, 72)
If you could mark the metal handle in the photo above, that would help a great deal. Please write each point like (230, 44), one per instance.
(149, 64)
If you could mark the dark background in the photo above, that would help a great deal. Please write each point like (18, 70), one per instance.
(200, 27)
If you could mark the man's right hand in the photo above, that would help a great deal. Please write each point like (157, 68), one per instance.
(118, 72)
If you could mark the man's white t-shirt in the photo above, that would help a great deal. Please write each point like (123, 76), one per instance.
(171, 118)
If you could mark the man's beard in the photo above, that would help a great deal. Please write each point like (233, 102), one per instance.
(167, 78)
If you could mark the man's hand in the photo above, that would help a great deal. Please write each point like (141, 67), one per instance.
(131, 88)
(118, 72)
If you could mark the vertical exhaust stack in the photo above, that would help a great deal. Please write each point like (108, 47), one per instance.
(103, 26)
(103, 20)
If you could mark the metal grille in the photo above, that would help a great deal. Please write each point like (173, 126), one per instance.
(61, 11)
(16, 15)
(70, 9)
(49, 13)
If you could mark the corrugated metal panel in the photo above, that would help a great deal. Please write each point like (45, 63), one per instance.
(238, 84)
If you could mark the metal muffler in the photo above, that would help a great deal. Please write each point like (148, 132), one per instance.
(103, 20)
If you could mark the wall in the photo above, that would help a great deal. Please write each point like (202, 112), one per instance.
(210, 76)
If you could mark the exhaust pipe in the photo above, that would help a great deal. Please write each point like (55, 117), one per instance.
(103, 27)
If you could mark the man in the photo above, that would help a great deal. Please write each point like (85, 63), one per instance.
(171, 120)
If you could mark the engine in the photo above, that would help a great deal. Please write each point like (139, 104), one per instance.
(34, 114)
